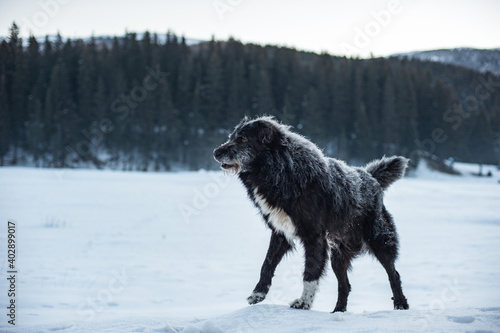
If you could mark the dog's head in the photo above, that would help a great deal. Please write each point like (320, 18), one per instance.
(249, 139)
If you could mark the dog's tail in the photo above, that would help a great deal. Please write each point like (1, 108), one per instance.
(388, 169)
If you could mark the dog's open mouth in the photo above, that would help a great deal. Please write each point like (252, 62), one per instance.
(230, 168)
(227, 166)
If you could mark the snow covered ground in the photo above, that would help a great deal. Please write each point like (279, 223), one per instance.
(106, 251)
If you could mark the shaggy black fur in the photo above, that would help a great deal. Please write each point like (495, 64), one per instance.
(332, 208)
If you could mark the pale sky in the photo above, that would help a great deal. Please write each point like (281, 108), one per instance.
(356, 27)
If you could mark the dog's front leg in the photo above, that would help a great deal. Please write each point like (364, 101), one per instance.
(316, 255)
(278, 247)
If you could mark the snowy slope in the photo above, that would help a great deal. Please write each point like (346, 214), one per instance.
(479, 60)
(105, 251)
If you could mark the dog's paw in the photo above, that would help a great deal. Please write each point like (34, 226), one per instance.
(401, 304)
(300, 304)
(255, 298)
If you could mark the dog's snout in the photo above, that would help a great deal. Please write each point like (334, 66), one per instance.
(217, 153)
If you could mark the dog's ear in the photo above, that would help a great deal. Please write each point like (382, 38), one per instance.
(266, 133)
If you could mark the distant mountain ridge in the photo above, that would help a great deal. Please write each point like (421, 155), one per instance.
(481, 60)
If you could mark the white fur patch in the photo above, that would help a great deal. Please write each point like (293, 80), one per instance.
(276, 217)
(309, 292)
(310, 288)
(256, 298)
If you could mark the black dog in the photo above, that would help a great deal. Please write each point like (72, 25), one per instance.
(328, 205)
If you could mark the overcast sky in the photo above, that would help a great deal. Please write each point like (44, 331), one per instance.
(356, 27)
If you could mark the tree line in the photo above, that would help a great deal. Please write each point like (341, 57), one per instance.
(141, 102)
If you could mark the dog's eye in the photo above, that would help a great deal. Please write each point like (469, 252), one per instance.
(241, 139)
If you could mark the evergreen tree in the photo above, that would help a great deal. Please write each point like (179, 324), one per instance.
(4, 108)
(15, 90)
(390, 120)
(362, 147)
(59, 109)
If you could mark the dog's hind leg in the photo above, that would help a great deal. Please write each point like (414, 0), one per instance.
(316, 255)
(278, 247)
(341, 261)
(383, 243)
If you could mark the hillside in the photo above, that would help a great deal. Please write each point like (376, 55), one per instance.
(478, 60)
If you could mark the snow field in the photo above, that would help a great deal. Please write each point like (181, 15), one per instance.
(110, 251)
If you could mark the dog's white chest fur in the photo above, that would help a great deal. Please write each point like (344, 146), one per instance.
(280, 221)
